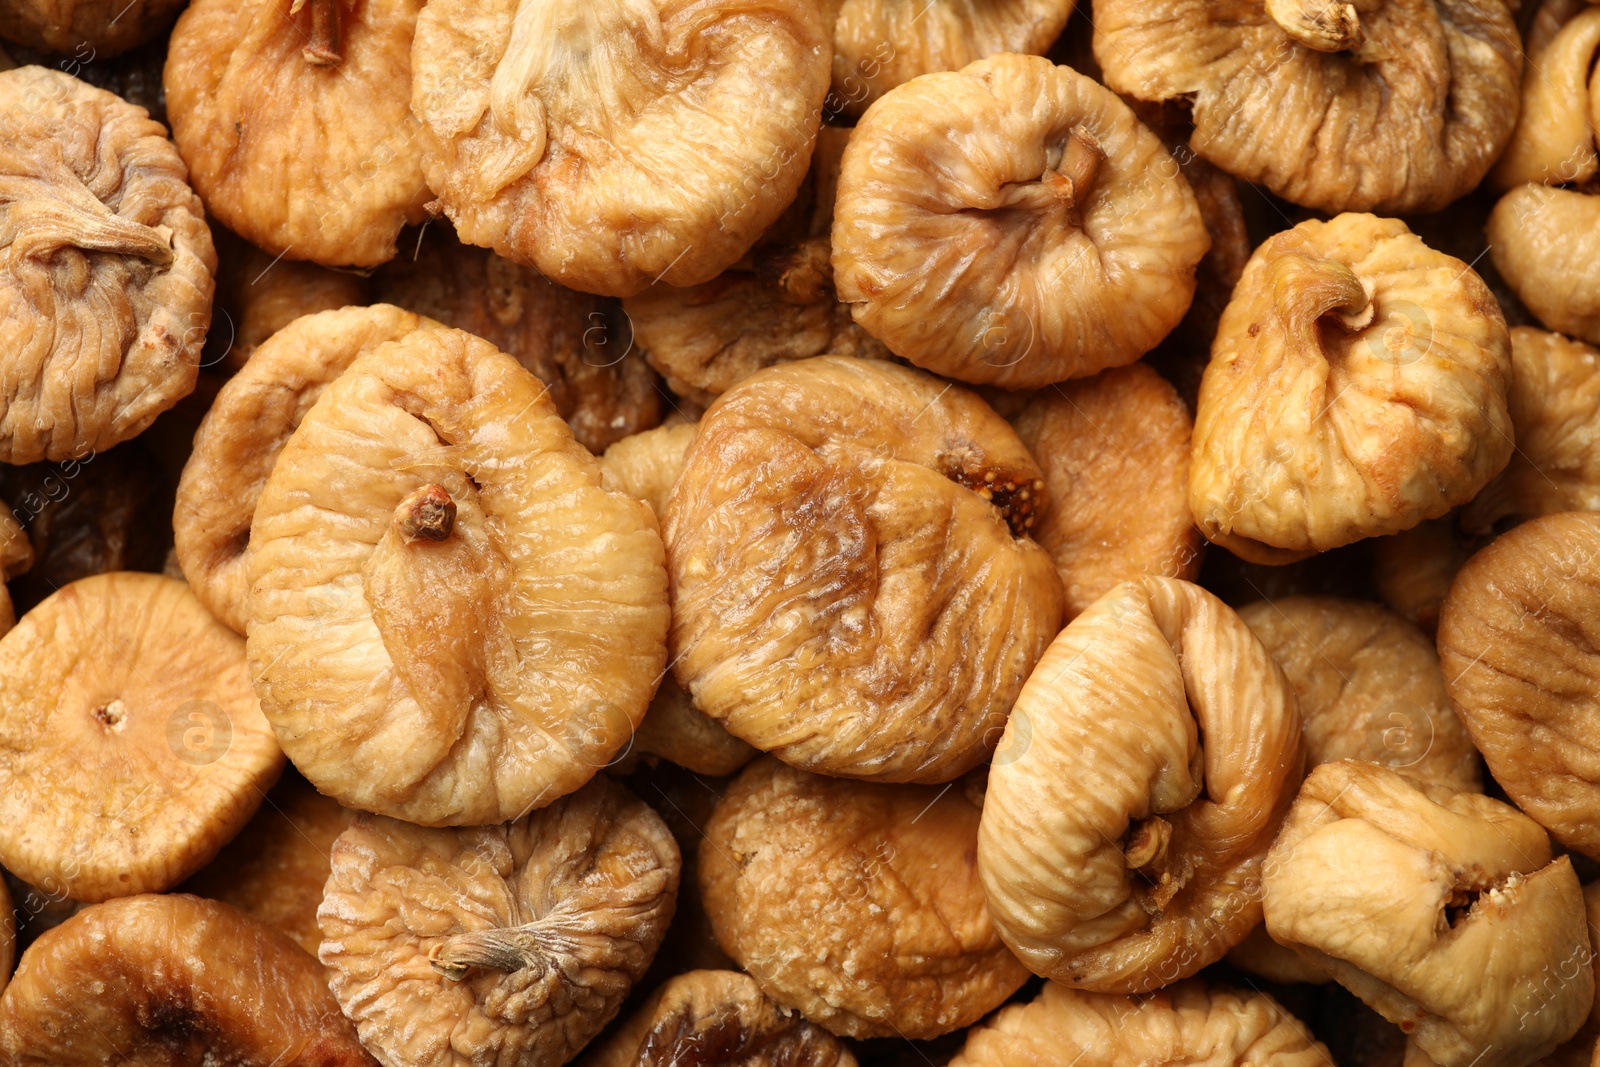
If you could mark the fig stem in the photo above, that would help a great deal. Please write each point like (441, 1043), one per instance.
(39, 226)
(325, 46)
(1073, 177)
(507, 950)
(1147, 843)
(1321, 25)
(426, 514)
(1308, 287)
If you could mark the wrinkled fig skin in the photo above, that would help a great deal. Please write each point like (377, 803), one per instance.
(717, 1019)
(646, 465)
(176, 981)
(1553, 143)
(854, 589)
(466, 680)
(245, 430)
(497, 946)
(97, 28)
(102, 312)
(1138, 784)
(1013, 224)
(1394, 107)
(294, 121)
(1546, 243)
(1369, 687)
(276, 868)
(1413, 569)
(131, 744)
(1357, 386)
(613, 144)
(1441, 909)
(1555, 410)
(1519, 640)
(573, 342)
(1115, 454)
(856, 904)
(1187, 1024)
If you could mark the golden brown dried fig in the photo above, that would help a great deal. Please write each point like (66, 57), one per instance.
(1185, 1025)
(131, 744)
(1544, 242)
(1553, 143)
(176, 981)
(293, 116)
(450, 619)
(98, 29)
(854, 903)
(1356, 387)
(107, 269)
(854, 589)
(1519, 640)
(259, 294)
(618, 143)
(276, 868)
(646, 465)
(1115, 453)
(572, 341)
(1440, 909)
(1413, 569)
(1369, 687)
(244, 432)
(1137, 787)
(1369, 106)
(497, 946)
(717, 1019)
(1013, 224)
(1555, 410)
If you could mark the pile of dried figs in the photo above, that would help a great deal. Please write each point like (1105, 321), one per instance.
(812, 533)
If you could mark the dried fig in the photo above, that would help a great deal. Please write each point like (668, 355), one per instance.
(450, 620)
(1370, 106)
(854, 589)
(571, 341)
(1555, 410)
(98, 28)
(1186, 1024)
(1369, 687)
(293, 117)
(1553, 143)
(276, 868)
(171, 980)
(16, 555)
(1441, 909)
(496, 946)
(1357, 386)
(1413, 569)
(1115, 453)
(1136, 789)
(245, 431)
(1543, 241)
(855, 903)
(1519, 640)
(131, 744)
(712, 1018)
(1013, 223)
(107, 281)
(617, 143)
(646, 465)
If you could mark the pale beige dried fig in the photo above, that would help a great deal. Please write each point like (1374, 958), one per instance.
(646, 465)
(131, 744)
(856, 904)
(717, 1019)
(293, 118)
(613, 144)
(1519, 639)
(1143, 773)
(854, 589)
(1545, 241)
(497, 946)
(1115, 454)
(1553, 143)
(450, 619)
(1185, 1026)
(176, 981)
(107, 265)
(1441, 909)
(245, 430)
(1381, 105)
(85, 29)
(1013, 223)
(1357, 386)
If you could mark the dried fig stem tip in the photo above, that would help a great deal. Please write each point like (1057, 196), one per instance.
(324, 47)
(428, 514)
(1147, 843)
(1309, 287)
(38, 227)
(1073, 177)
(1323, 25)
(497, 950)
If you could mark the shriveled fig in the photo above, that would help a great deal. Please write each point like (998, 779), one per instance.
(856, 904)
(497, 946)
(646, 465)
(131, 744)
(172, 980)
